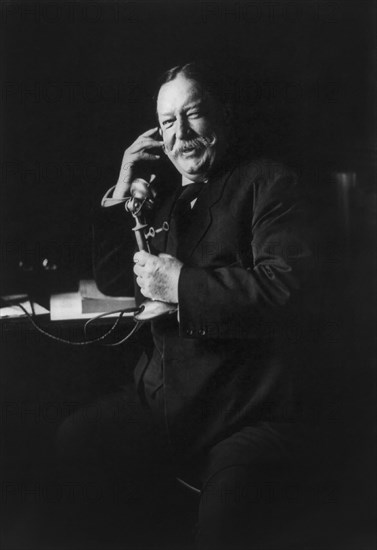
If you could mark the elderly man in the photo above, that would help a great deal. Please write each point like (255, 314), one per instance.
(220, 377)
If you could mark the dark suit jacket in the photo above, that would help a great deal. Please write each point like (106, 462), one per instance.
(247, 272)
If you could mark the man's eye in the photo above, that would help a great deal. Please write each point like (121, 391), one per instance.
(194, 114)
(167, 123)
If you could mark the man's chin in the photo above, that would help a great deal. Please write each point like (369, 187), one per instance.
(193, 167)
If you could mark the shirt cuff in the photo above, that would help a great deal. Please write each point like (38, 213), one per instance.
(108, 200)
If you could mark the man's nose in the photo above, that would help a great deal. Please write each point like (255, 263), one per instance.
(182, 128)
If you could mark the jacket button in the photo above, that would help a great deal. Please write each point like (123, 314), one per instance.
(202, 332)
(189, 332)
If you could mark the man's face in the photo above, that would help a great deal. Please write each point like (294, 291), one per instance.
(193, 127)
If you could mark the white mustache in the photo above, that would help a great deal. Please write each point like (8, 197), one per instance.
(201, 142)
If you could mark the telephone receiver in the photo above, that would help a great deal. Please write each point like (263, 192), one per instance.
(157, 136)
(141, 199)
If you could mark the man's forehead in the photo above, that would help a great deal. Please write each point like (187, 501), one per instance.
(178, 93)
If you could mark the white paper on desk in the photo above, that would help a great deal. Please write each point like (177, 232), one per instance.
(15, 311)
(68, 306)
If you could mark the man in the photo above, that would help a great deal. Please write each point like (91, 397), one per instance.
(221, 376)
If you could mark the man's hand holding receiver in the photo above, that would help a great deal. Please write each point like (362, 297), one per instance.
(139, 151)
(157, 276)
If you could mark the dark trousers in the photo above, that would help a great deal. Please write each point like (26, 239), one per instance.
(121, 458)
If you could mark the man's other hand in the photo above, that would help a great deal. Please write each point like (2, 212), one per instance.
(157, 276)
(140, 150)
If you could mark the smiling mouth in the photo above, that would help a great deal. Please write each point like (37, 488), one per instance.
(190, 151)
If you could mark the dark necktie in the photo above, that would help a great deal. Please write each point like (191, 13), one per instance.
(180, 218)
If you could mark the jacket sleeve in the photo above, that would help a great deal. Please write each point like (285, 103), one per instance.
(252, 298)
(113, 250)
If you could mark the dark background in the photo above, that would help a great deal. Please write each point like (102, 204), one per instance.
(76, 88)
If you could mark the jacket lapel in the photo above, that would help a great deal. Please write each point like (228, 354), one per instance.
(201, 213)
